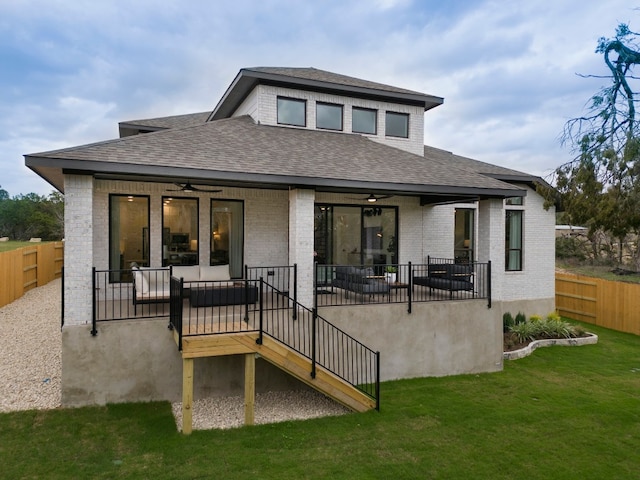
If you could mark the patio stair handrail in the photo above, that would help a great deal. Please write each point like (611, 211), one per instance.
(307, 333)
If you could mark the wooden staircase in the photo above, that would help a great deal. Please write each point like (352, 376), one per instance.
(276, 353)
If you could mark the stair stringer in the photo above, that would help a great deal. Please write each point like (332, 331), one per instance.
(299, 366)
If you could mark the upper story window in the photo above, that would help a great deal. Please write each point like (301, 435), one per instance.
(292, 111)
(397, 125)
(514, 201)
(329, 116)
(364, 120)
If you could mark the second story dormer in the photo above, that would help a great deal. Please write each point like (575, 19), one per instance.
(315, 99)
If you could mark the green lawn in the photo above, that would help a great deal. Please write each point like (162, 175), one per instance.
(564, 412)
(604, 272)
(12, 245)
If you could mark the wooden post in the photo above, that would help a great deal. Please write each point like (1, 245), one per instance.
(249, 388)
(187, 395)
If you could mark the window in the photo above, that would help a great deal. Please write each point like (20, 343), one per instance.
(227, 235)
(463, 235)
(355, 235)
(514, 201)
(292, 111)
(364, 120)
(128, 232)
(329, 116)
(513, 240)
(179, 231)
(397, 125)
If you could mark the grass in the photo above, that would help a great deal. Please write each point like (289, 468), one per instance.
(604, 272)
(13, 245)
(562, 413)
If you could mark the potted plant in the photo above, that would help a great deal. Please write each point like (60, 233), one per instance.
(390, 273)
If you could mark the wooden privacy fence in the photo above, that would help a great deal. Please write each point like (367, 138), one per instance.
(614, 305)
(29, 267)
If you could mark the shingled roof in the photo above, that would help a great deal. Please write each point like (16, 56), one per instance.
(316, 80)
(237, 151)
(133, 127)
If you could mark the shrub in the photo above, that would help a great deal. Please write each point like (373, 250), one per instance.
(554, 316)
(538, 328)
(507, 322)
(520, 318)
(525, 332)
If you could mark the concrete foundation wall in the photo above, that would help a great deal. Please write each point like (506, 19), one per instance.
(138, 361)
(436, 339)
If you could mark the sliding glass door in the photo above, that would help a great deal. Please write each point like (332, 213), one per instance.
(355, 235)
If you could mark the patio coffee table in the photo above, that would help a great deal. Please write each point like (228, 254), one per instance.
(211, 296)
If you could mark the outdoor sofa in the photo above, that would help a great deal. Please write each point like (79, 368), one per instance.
(453, 277)
(360, 280)
(211, 285)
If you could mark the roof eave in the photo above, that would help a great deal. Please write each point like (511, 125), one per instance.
(247, 79)
(53, 170)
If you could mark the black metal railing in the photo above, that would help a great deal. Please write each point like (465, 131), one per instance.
(358, 285)
(117, 299)
(280, 282)
(280, 317)
(438, 279)
(211, 307)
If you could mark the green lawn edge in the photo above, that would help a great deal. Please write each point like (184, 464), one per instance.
(564, 412)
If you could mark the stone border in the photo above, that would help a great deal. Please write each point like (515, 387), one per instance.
(590, 339)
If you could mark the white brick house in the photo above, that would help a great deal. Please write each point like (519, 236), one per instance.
(293, 156)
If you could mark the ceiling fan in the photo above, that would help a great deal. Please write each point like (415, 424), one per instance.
(187, 187)
(373, 198)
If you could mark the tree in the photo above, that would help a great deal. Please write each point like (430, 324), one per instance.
(32, 215)
(599, 187)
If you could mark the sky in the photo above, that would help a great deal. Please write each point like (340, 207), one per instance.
(509, 71)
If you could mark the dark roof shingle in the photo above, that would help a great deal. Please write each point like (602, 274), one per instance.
(238, 147)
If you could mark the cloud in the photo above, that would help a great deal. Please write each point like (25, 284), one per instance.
(506, 69)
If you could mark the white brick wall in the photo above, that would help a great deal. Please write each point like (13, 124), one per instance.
(438, 231)
(537, 279)
(266, 113)
(301, 238)
(266, 221)
(78, 249)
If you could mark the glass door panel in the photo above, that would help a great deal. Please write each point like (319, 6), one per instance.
(227, 235)
(180, 231)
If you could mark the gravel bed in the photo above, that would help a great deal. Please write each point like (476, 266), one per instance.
(270, 407)
(31, 371)
(31, 351)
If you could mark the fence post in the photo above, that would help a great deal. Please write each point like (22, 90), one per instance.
(489, 283)
(259, 339)
(295, 291)
(180, 311)
(94, 331)
(410, 287)
(62, 300)
(378, 381)
(246, 300)
(314, 321)
(315, 285)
